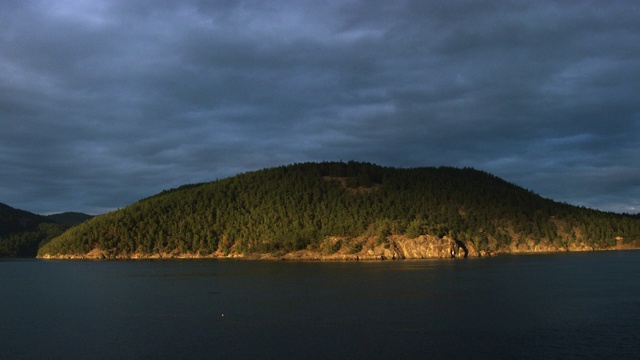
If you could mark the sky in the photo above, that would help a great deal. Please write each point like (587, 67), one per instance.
(103, 103)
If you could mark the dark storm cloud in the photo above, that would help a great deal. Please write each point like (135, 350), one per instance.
(105, 102)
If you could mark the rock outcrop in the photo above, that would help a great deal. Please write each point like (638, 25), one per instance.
(393, 247)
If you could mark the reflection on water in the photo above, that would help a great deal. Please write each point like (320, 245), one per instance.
(583, 305)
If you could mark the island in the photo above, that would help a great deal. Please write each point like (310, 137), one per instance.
(345, 211)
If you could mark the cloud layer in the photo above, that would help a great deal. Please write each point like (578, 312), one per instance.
(106, 102)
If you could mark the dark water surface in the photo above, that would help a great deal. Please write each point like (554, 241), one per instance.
(559, 306)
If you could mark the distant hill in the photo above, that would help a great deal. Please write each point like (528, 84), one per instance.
(22, 232)
(15, 220)
(69, 218)
(353, 210)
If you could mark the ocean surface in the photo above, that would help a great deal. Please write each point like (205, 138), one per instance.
(555, 306)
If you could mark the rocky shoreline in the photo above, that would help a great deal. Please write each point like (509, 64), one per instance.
(356, 249)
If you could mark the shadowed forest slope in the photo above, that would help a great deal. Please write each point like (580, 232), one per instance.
(22, 232)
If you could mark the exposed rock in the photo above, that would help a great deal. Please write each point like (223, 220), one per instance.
(354, 249)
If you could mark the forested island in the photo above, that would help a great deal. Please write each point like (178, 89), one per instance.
(352, 210)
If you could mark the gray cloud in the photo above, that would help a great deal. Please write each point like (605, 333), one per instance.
(105, 102)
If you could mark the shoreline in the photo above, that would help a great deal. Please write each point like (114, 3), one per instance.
(308, 256)
(363, 248)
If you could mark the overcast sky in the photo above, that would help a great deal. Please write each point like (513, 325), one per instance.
(103, 103)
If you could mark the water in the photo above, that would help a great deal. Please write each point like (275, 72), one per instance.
(560, 306)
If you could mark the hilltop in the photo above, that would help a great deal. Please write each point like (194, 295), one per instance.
(337, 210)
(69, 218)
